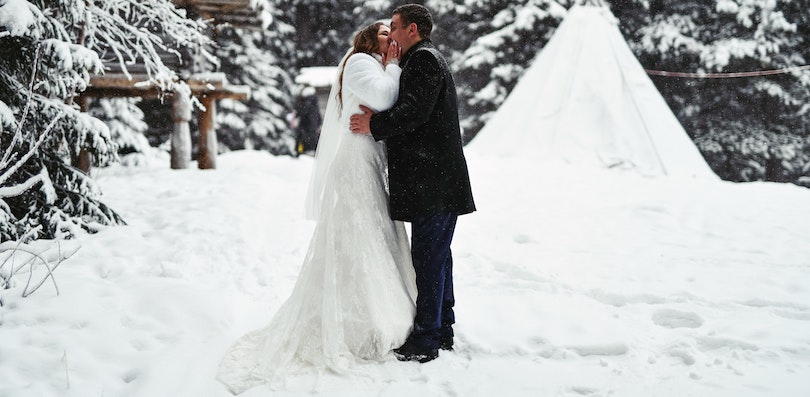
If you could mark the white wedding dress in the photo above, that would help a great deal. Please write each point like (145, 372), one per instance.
(353, 301)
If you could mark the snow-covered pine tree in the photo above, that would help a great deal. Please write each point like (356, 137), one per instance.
(752, 128)
(42, 68)
(490, 44)
(322, 30)
(325, 28)
(262, 59)
(125, 120)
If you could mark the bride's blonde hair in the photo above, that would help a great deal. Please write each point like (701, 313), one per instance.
(365, 41)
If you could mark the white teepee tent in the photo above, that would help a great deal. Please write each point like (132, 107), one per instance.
(586, 100)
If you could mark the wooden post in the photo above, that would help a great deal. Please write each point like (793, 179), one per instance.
(84, 161)
(181, 137)
(207, 154)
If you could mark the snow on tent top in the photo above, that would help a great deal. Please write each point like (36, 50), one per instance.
(586, 100)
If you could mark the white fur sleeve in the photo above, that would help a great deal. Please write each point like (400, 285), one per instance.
(364, 77)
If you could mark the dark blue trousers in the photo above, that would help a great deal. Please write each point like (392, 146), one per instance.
(433, 262)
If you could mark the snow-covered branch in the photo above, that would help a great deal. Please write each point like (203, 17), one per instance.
(11, 151)
(20, 188)
(13, 168)
(139, 31)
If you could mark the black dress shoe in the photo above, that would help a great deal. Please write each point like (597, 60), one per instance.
(446, 343)
(410, 352)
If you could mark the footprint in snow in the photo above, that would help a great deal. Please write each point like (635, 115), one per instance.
(522, 239)
(670, 318)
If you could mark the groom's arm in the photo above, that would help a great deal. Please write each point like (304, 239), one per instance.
(420, 86)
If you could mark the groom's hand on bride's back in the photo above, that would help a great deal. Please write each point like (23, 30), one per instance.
(361, 123)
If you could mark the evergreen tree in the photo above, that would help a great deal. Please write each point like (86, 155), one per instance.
(263, 60)
(48, 50)
(325, 28)
(748, 129)
(490, 44)
(322, 31)
(125, 120)
(751, 128)
(41, 70)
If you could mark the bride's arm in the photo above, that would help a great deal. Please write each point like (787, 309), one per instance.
(364, 77)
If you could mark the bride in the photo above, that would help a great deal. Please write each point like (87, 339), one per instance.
(353, 301)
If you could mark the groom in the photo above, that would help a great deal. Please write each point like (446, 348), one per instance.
(428, 178)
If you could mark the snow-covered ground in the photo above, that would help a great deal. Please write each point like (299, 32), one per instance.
(569, 282)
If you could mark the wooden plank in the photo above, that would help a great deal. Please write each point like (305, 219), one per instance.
(119, 80)
(239, 93)
(250, 22)
(225, 10)
(186, 3)
(118, 85)
(123, 93)
(215, 80)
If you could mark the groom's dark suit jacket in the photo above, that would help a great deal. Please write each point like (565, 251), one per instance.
(427, 171)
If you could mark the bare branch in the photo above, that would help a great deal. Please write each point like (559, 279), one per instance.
(36, 256)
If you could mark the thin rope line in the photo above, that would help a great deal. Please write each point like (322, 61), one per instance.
(726, 75)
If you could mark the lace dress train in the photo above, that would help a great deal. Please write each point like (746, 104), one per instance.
(354, 297)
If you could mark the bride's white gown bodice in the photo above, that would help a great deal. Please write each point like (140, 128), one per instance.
(354, 297)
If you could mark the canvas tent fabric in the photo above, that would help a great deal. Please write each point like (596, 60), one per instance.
(587, 101)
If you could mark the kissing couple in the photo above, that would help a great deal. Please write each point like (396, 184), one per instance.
(390, 152)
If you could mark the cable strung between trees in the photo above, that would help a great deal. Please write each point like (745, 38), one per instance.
(726, 75)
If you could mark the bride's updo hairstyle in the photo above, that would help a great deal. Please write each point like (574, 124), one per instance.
(366, 42)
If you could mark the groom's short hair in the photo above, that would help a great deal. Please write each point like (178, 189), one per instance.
(415, 13)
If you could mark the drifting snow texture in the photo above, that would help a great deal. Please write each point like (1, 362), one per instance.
(586, 283)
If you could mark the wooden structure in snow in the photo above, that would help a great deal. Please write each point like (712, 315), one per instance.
(206, 87)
